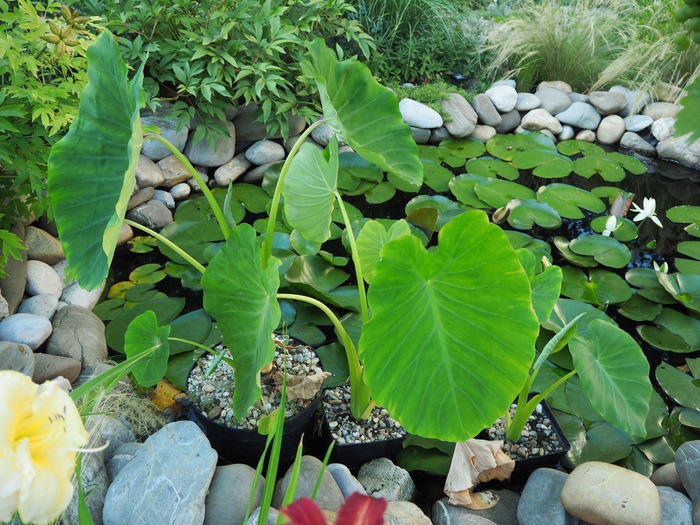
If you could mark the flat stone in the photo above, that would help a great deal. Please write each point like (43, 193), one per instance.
(608, 102)
(555, 84)
(42, 279)
(26, 329)
(113, 430)
(180, 191)
(610, 130)
(322, 134)
(579, 97)
(148, 174)
(541, 119)
(229, 491)
(567, 132)
(678, 150)
(483, 133)
(509, 121)
(657, 110)
(79, 334)
(167, 480)
(248, 129)
(79, 296)
(503, 98)
(382, 479)
(486, 111)
(120, 458)
(419, 115)
(258, 173)
(264, 152)
(636, 100)
(12, 287)
(174, 171)
(667, 476)
(636, 143)
(665, 92)
(688, 466)
(527, 101)
(230, 171)
(553, 100)
(676, 508)
(42, 246)
(44, 305)
(586, 135)
(165, 197)
(507, 82)
(125, 233)
(462, 117)
(16, 356)
(580, 115)
(404, 513)
(153, 214)
(193, 183)
(539, 502)
(153, 149)
(94, 480)
(663, 128)
(420, 135)
(606, 494)
(696, 513)
(445, 514)
(638, 123)
(347, 483)
(212, 155)
(141, 196)
(48, 367)
(329, 496)
(437, 135)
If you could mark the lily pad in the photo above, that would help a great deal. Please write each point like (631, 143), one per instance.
(638, 308)
(689, 248)
(538, 247)
(567, 200)
(683, 325)
(690, 418)
(462, 148)
(625, 229)
(253, 198)
(165, 308)
(685, 288)
(687, 265)
(195, 326)
(462, 187)
(605, 443)
(684, 214)
(506, 146)
(649, 287)
(658, 450)
(544, 164)
(678, 385)
(585, 261)
(525, 213)
(351, 165)
(436, 176)
(192, 237)
(497, 192)
(574, 147)
(380, 193)
(605, 250)
(439, 202)
(663, 339)
(488, 167)
(147, 274)
(311, 273)
(565, 310)
(599, 287)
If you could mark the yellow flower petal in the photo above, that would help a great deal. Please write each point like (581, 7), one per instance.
(10, 484)
(16, 394)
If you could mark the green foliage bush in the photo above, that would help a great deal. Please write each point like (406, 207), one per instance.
(206, 56)
(43, 68)
(419, 40)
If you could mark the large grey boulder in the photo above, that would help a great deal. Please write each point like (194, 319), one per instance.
(230, 171)
(610, 130)
(382, 479)
(608, 102)
(78, 334)
(487, 112)
(153, 149)
(152, 214)
(166, 482)
(462, 117)
(26, 329)
(249, 129)
(42, 246)
(527, 101)
(637, 123)
(504, 98)
(580, 115)
(657, 110)
(47, 367)
(329, 495)
(44, 305)
(347, 483)
(539, 502)
(631, 140)
(42, 279)
(678, 150)
(16, 356)
(419, 115)
(676, 508)
(212, 153)
(148, 174)
(553, 100)
(95, 481)
(228, 496)
(688, 466)
(540, 120)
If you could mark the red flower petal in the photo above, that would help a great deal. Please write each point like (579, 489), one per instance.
(304, 512)
(361, 510)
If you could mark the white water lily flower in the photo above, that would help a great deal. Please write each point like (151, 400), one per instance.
(610, 226)
(40, 431)
(663, 268)
(647, 212)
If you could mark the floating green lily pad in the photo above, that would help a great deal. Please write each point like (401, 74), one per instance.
(462, 187)
(565, 310)
(598, 287)
(663, 338)
(192, 236)
(684, 214)
(525, 213)
(678, 385)
(567, 200)
(497, 192)
(574, 147)
(680, 324)
(562, 244)
(461, 148)
(689, 248)
(605, 250)
(625, 229)
(489, 167)
(693, 229)
(538, 247)
(380, 193)
(436, 176)
(638, 308)
(544, 164)
(690, 418)
(352, 165)
(506, 146)
(685, 288)
(147, 274)
(252, 197)
(606, 168)
(687, 265)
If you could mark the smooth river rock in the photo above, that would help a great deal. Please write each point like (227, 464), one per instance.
(78, 334)
(637, 123)
(657, 110)
(443, 513)
(541, 119)
(42, 279)
(329, 496)
(264, 151)
(148, 174)
(580, 115)
(503, 98)
(462, 117)
(688, 466)
(26, 329)
(44, 305)
(667, 476)
(540, 502)
(608, 102)
(42, 246)
(553, 100)
(663, 128)
(419, 115)
(16, 356)
(636, 143)
(676, 508)
(153, 149)
(610, 130)
(228, 495)
(47, 367)
(382, 479)
(166, 482)
(527, 101)
(212, 154)
(233, 169)
(606, 494)
(487, 112)
(678, 150)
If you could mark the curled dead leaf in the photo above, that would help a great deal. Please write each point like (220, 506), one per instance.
(304, 387)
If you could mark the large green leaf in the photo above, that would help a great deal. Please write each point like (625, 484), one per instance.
(372, 239)
(614, 374)
(241, 295)
(688, 118)
(308, 191)
(568, 199)
(363, 112)
(144, 335)
(524, 214)
(91, 170)
(165, 308)
(678, 385)
(452, 332)
(605, 250)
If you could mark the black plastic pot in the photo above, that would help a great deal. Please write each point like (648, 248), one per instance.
(239, 445)
(354, 455)
(524, 467)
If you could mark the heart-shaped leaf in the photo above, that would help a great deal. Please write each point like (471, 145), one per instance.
(614, 374)
(165, 308)
(363, 112)
(144, 335)
(497, 192)
(462, 187)
(546, 287)
(524, 214)
(689, 248)
(91, 170)
(308, 191)
(568, 199)
(457, 313)
(598, 287)
(605, 250)
(638, 308)
(372, 239)
(684, 214)
(436, 176)
(573, 147)
(488, 167)
(625, 229)
(585, 261)
(193, 237)
(649, 286)
(506, 146)
(380, 193)
(678, 385)
(241, 294)
(464, 148)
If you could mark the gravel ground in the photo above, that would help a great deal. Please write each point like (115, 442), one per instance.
(538, 438)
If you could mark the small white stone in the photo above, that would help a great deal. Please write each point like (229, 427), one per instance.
(180, 191)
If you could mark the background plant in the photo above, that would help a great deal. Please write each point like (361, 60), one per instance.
(42, 72)
(206, 56)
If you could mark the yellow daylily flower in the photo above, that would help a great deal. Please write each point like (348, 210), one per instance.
(40, 432)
